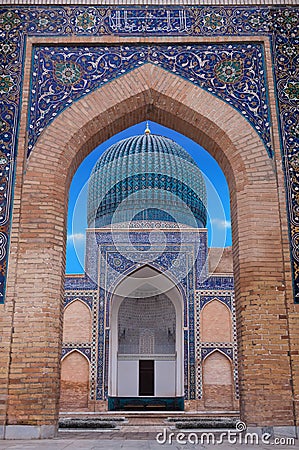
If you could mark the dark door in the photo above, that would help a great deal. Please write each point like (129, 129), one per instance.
(146, 377)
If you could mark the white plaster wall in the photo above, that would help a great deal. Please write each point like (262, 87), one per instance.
(165, 378)
(128, 378)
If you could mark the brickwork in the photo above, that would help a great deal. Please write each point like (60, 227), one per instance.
(216, 323)
(76, 323)
(266, 315)
(74, 382)
(220, 260)
(218, 382)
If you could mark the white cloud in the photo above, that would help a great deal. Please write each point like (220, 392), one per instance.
(221, 223)
(76, 238)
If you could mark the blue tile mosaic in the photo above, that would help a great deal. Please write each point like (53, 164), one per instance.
(125, 174)
(208, 298)
(218, 282)
(84, 350)
(88, 300)
(81, 283)
(206, 351)
(62, 75)
(179, 261)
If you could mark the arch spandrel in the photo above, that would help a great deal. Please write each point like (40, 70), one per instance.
(173, 102)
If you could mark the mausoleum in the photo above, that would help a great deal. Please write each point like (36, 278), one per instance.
(149, 326)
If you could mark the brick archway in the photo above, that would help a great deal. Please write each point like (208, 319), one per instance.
(40, 224)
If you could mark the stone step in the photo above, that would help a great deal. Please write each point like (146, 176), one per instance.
(147, 422)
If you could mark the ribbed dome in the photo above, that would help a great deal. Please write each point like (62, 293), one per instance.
(147, 177)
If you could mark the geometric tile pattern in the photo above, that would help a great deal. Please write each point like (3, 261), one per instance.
(84, 349)
(279, 24)
(125, 174)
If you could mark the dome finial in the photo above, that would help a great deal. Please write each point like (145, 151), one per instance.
(147, 130)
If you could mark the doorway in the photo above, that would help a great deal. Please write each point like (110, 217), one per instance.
(146, 353)
(147, 377)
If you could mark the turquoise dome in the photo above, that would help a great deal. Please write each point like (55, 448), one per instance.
(146, 177)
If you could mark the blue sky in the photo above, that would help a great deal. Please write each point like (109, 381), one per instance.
(219, 231)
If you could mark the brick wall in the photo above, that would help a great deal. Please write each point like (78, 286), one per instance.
(220, 260)
(216, 323)
(217, 382)
(77, 323)
(74, 382)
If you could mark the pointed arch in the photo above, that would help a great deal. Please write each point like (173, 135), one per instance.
(75, 374)
(216, 322)
(76, 299)
(77, 322)
(42, 185)
(72, 351)
(156, 269)
(219, 351)
(217, 381)
(127, 287)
